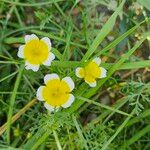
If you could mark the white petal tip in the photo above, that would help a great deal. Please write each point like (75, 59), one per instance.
(30, 37)
(50, 77)
(93, 84)
(97, 60)
(20, 53)
(29, 66)
(70, 82)
(103, 72)
(69, 102)
(49, 107)
(39, 95)
(77, 72)
(47, 41)
(50, 58)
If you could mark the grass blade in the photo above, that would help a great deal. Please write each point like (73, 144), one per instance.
(57, 140)
(128, 65)
(137, 136)
(119, 39)
(102, 105)
(3, 79)
(29, 4)
(115, 67)
(80, 132)
(103, 32)
(17, 115)
(105, 146)
(12, 101)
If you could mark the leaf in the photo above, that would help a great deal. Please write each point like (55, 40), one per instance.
(12, 101)
(120, 128)
(136, 137)
(102, 105)
(119, 39)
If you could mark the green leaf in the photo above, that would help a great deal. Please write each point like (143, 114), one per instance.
(119, 39)
(80, 132)
(102, 105)
(120, 128)
(137, 136)
(12, 101)
(29, 4)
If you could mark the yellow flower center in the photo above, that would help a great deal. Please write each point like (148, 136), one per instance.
(56, 92)
(36, 51)
(91, 72)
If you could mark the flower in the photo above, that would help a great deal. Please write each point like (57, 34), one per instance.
(56, 93)
(36, 52)
(91, 72)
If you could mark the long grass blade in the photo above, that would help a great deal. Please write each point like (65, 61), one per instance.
(103, 32)
(12, 101)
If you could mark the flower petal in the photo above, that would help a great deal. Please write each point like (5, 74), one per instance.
(69, 102)
(97, 60)
(39, 94)
(21, 51)
(31, 66)
(70, 82)
(91, 84)
(103, 72)
(49, 107)
(30, 37)
(50, 77)
(79, 72)
(47, 42)
(50, 58)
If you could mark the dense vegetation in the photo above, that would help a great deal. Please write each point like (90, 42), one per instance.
(113, 115)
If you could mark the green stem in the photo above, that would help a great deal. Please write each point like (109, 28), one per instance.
(12, 101)
(102, 105)
(57, 140)
(137, 136)
(80, 132)
(106, 144)
(30, 4)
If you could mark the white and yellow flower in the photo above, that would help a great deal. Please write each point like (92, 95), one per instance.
(36, 51)
(56, 93)
(91, 72)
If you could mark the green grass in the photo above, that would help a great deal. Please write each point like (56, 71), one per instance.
(114, 114)
(12, 101)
